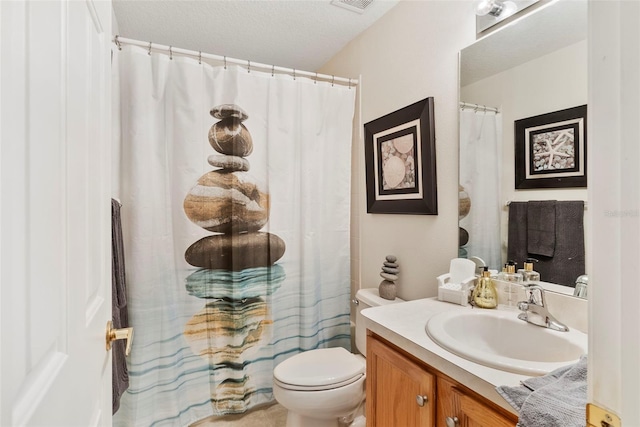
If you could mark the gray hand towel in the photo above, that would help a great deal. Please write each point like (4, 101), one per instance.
(568, 261)
(558, 399)
(541, 227)
(119, 313)
(517, 232)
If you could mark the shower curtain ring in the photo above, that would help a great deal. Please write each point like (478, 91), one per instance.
(118, 43)
(349, 83)
(315, 81)
(225, 62)
(273, 68)
(170, 53)
(200, 57)
(149, 52)
(333, 79)
(248, 66)
(294, 74)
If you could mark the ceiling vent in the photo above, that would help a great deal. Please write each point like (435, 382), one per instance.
(357, 6)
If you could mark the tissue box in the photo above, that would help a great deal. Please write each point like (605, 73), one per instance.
(454, 286)
(456, 296)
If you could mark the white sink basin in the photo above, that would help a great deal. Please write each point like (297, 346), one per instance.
(498, 339)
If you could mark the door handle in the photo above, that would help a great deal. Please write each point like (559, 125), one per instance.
(119, 334)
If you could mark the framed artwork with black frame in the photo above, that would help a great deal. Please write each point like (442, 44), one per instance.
(400, 156)
(551, 150)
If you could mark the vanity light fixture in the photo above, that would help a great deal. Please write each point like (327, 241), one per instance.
(497, 8)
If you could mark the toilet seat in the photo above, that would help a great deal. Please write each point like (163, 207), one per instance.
(320, 369)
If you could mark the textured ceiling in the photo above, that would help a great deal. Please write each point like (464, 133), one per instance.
(300, 34)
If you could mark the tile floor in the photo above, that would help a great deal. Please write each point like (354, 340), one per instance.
(274, 415)
(268, 416)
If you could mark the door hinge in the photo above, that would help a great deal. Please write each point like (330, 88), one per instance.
(598, 417)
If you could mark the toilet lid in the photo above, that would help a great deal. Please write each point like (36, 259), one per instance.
(319, 369)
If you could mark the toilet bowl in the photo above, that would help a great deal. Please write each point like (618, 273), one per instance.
(319, 387)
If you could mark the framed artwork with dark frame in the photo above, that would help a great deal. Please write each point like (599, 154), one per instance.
(551, 150)
(400, 156)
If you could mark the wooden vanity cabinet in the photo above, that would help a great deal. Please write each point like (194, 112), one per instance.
(399, 391)
(469, 409)
(403, 391)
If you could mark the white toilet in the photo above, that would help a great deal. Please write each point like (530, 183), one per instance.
(320, 386)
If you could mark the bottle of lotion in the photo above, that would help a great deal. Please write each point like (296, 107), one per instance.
(528, 273)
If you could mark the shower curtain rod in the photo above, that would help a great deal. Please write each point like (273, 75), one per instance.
(249, 64)
(479, 107)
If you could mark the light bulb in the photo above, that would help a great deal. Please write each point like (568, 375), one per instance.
(497, 8)
(489, 7)
(509, 8)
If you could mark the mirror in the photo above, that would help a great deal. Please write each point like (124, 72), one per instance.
(534, 66)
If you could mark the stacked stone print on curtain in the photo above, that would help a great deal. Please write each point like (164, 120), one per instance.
(235, 193)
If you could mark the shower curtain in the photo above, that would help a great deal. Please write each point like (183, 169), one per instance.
(235, 191)
(480, 177)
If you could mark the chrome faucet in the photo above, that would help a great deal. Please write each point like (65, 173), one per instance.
(582, 282)
(535, 311)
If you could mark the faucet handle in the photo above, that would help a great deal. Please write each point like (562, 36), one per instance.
(523, 306)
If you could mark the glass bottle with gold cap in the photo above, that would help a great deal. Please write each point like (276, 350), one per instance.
(508, 278)
(510, 275)
(528, 273)
(484, 294)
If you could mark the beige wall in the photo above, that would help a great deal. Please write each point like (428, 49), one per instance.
(409, 54)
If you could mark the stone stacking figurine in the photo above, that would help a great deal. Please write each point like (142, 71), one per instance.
(231, 202)
(390, 270)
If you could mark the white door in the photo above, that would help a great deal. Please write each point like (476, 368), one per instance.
(614, 206)
(55, 233)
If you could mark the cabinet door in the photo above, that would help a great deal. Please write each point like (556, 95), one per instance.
(455, 404)
(399, 391)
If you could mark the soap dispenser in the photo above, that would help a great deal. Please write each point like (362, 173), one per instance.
(528, 273)
(485, 295)
(507, 278)
(510, 275)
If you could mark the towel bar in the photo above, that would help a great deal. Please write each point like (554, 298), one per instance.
(508, 202)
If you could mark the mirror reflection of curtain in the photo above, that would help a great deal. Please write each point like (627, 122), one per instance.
(480, 175)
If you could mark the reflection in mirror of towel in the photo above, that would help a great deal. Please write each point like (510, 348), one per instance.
(568, 260)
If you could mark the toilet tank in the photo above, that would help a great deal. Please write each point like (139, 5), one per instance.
(367, 298)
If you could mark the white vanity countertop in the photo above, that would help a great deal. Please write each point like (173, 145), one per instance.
(403, 324)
